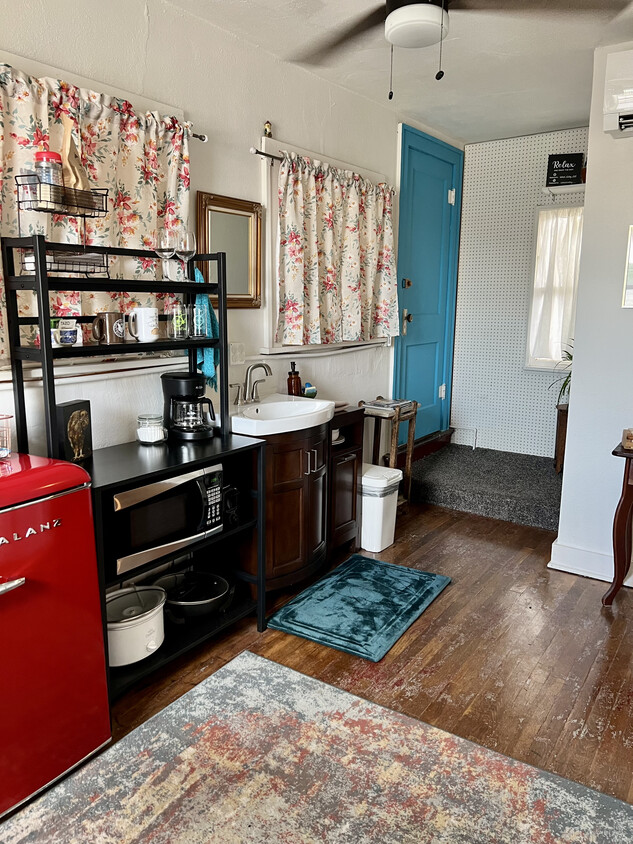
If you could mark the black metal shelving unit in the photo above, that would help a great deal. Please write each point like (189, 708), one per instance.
(42, 283)
(127, 464)
(122, 467)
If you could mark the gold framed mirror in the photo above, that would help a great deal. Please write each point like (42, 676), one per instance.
(234, 226)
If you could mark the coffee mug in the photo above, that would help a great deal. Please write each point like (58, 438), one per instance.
(66, 332)
(109, 328)
(143, 324)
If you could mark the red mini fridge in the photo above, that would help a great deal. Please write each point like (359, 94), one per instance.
(53, 688)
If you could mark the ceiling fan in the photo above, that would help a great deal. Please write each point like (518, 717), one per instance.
(425, 22)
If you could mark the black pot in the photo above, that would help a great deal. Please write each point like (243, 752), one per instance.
(193, 593)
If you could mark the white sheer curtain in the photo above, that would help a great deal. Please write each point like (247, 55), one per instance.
(555, 280)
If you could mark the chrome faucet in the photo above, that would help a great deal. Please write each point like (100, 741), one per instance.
(251, 396)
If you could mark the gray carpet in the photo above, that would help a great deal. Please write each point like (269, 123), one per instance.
(517, 488)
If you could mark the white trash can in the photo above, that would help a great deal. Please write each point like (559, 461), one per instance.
(380, 502)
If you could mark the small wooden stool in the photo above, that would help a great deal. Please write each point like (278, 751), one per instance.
(394, 415)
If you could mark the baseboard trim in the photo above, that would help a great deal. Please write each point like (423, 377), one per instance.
(423, 447)
(584, 562)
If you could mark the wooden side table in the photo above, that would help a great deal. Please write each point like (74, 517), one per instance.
(622, 533)
(395, 416)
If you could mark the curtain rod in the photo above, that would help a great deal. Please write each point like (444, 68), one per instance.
(255, 151)
(203, 138)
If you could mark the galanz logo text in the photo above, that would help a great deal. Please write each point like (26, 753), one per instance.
(30, 531)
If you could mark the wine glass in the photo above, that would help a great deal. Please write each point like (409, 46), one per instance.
(186, 248)
(165, 248)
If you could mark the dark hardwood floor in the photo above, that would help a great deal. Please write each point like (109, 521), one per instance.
(512, 655)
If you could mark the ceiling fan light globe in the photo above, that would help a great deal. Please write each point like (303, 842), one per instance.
(416, 25)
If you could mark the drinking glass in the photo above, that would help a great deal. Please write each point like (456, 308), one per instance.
(199, 321)
(165, 248)
(185, 248)
(5, 435)
(177, 321)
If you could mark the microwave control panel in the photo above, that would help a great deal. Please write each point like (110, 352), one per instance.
(213, 484)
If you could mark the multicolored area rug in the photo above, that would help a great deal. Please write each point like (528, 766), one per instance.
(259, 754)
(362, 607)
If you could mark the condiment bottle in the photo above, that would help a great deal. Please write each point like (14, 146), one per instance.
(294, 381)
(48, 166)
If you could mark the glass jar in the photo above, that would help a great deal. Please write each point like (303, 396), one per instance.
(48, 166)
(5, 435)
(150, 429)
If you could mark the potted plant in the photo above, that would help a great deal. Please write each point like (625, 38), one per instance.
(562, 402)
(564, 380)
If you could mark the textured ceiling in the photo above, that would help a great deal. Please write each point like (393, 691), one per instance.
(506, 73)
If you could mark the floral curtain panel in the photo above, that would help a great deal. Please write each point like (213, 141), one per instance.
(336, 273)
(142, 159)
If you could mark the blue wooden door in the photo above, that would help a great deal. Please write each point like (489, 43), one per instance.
(428, 247)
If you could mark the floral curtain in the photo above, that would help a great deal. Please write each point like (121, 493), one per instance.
(142, 159)
(336, 271)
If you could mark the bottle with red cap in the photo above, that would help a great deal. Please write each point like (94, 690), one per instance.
(48, 166)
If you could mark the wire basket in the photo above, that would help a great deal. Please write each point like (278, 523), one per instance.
(34, 195)
(82, 261)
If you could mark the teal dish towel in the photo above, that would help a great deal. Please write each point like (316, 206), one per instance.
(208, 359)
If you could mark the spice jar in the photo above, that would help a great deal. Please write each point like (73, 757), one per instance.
(150, 429)
(48, 166)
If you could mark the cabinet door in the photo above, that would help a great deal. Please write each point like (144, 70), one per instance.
(316, 512)
(345, 503)
(286, 504)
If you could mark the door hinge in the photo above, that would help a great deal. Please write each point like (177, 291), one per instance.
(451, 196)
(442, 391)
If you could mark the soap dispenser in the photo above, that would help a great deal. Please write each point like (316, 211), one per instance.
(294, 381)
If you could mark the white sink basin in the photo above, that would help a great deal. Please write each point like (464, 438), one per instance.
(278, 413)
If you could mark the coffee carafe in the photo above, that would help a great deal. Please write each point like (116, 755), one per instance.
(187, 414)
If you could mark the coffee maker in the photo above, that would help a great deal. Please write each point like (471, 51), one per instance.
(187, 414)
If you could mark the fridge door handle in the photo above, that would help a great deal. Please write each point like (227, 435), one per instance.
(10, 585)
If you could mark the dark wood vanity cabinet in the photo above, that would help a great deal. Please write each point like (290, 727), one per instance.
(296, 504)
(313, 496)
(346, 468)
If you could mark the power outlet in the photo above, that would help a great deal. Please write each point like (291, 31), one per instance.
(236, 354)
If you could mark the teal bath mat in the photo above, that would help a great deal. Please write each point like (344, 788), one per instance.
(362, 607)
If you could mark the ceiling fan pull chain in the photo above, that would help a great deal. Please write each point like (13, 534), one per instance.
(440, 72)
(391, 74)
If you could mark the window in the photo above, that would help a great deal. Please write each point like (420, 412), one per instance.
(553, 305)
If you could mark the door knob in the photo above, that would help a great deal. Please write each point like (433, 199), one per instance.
(406, 318)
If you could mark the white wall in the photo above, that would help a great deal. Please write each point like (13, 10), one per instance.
(228, 88)
(511, 408)
(601, 402)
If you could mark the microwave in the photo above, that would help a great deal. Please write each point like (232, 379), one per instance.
(151, 522)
